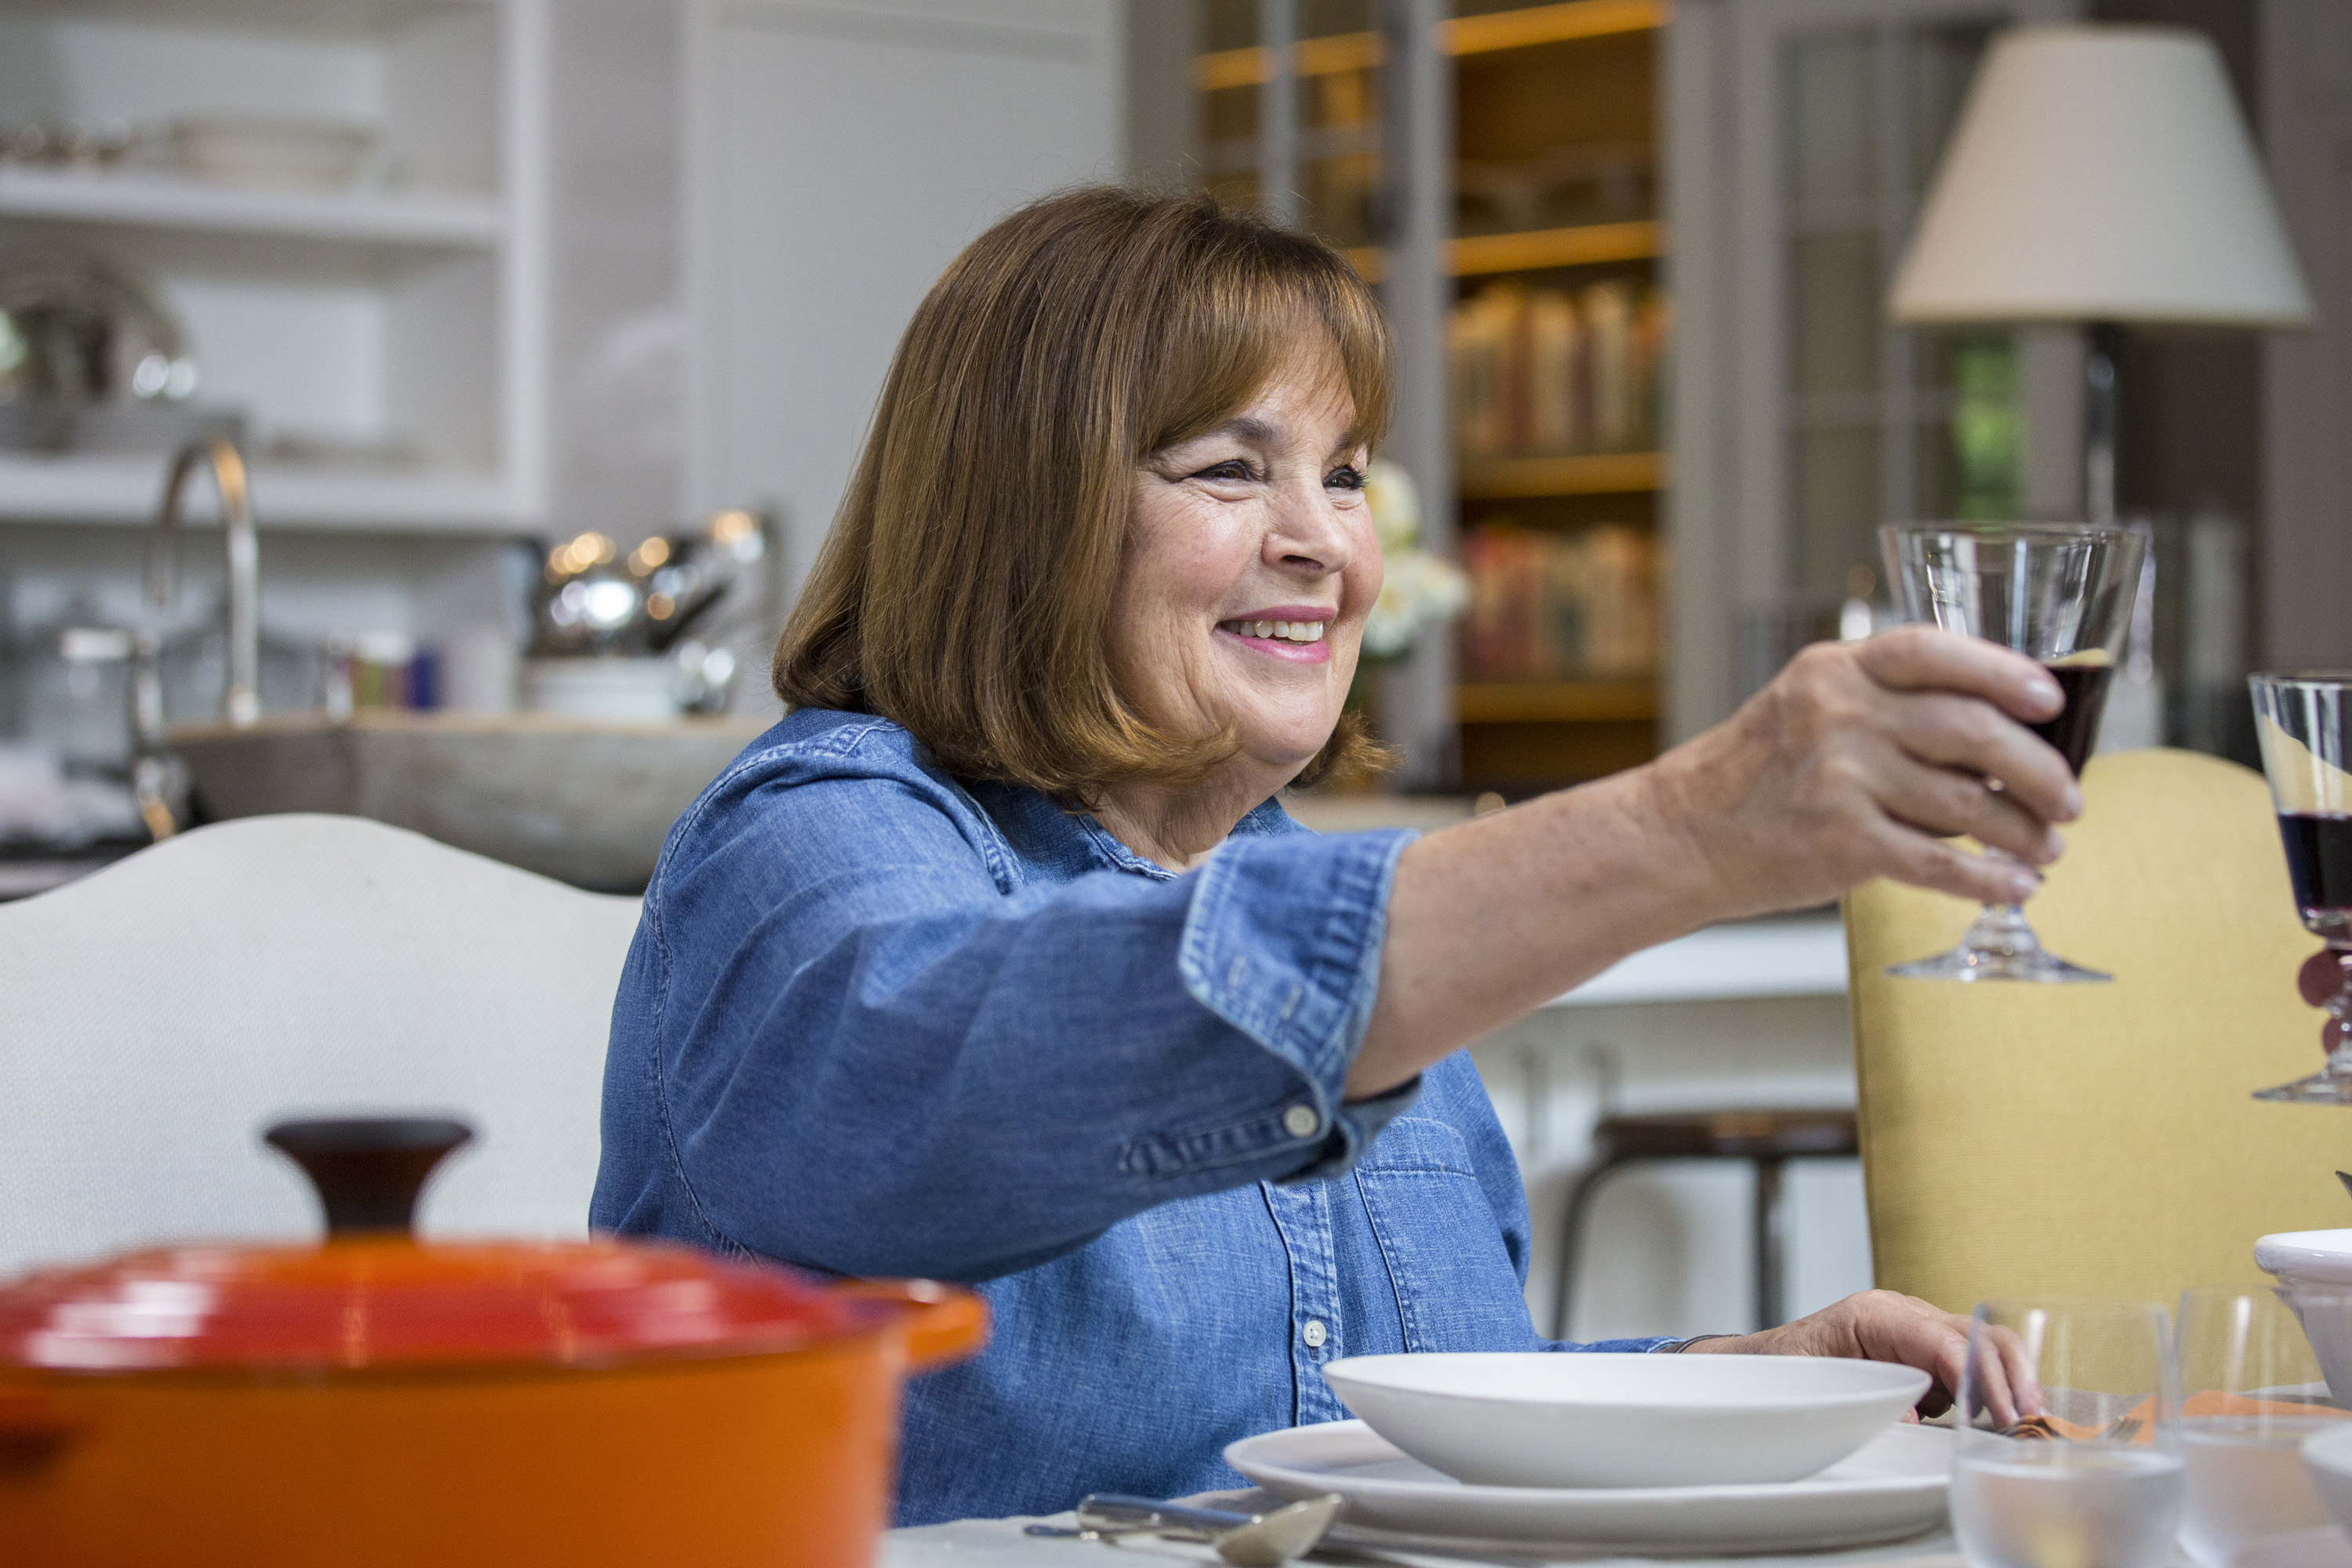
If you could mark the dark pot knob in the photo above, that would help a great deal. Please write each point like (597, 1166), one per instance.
(368, 1170)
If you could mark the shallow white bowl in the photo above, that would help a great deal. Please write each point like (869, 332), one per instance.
(1597, 1419)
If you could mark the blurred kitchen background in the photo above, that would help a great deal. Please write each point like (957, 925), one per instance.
(544, 334)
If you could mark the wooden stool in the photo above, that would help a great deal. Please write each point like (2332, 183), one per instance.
(1767, 1138)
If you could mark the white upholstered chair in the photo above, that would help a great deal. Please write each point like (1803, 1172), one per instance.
(155, 1016)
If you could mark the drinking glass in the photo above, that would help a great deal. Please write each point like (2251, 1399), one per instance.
(2251, 1391)
(2059, 592)
(2305, 723)
(2067, 1453)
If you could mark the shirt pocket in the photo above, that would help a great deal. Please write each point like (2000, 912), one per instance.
(1456, 1289)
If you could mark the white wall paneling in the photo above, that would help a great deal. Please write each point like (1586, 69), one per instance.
(839, 156)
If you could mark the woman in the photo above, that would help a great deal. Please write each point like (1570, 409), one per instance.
(998, 960)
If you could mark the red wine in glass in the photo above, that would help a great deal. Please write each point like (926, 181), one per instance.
(2319, 864)
(2304, 724)
(2083, 679)
(2058, 592)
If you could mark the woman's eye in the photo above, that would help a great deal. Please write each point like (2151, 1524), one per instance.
(1233, 468)
(1344, 478)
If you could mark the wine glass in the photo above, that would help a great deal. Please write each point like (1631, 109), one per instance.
(2305, 723)
(2251, 1391)
(2066, 1451)
(2059, 592)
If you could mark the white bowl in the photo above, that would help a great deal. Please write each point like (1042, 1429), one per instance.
(2315, 1267)
(2328, 1457)
(2307, 1257)
(1599, 1419)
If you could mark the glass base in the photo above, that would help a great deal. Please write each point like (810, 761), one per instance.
(2000, 946)
(2319, 1089)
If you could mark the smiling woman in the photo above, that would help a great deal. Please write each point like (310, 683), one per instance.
(998, 959)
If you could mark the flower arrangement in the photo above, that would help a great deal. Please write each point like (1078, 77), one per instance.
(1417, 589)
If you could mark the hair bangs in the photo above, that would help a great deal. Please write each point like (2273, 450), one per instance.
(1238, 318)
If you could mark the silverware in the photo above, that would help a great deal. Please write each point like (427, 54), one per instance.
(1249, 1539)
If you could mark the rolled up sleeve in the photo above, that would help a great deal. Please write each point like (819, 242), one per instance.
(1283, 943)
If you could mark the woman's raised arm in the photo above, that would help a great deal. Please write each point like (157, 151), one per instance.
(1851, 764)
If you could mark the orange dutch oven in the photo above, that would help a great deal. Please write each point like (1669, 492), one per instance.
(377, 1400)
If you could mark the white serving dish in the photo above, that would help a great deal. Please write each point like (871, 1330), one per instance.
(635, 691)
(2307, 1257)
(2314, 1269)
(1596, 1419)
(260, 149)
(1892, 1488)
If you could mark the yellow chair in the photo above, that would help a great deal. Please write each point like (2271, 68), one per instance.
(2099, 1139)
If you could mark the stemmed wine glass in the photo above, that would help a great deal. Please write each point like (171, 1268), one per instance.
(2059, 592)
(2305, 722)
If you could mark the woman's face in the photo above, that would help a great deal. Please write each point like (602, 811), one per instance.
(1250, 566)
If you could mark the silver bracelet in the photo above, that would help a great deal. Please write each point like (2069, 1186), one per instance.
(1676, 1347)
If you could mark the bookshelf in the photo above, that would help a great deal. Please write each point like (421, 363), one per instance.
(1550, 269)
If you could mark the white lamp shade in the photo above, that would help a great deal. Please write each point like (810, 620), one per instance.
(2101, 174)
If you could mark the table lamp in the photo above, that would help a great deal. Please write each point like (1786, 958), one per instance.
(2100, 174)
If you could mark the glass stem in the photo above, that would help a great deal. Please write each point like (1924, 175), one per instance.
(2336, 1033)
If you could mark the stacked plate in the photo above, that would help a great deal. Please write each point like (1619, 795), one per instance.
(1641, 1452)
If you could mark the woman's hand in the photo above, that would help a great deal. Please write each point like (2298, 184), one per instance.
(1860, 757)
(1880, 1325)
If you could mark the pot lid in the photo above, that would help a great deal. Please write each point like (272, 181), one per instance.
(373, 1297)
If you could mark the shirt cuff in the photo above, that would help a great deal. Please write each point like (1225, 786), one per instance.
(1282, 941)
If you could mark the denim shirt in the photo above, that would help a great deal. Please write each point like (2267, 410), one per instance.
(877, 1021)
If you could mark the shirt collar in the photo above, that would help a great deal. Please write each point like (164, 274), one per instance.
(1074, 842)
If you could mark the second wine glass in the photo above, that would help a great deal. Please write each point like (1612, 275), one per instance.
(2058, 592)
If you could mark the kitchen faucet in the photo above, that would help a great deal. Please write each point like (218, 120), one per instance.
(241, 701)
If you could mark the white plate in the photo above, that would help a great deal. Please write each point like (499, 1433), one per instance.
(2323, 1548)
(1895, 1487)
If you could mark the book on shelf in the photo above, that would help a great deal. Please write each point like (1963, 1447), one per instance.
(1546, 371)
(1548, 606)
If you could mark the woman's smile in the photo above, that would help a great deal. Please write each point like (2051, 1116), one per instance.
(1291, 632)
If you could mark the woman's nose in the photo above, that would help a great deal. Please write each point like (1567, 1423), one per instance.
(1308, 532)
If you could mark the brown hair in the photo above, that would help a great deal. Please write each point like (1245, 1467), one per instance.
(965, 589)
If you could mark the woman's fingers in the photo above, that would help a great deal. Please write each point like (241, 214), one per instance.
(1970, 735)
(1910, 856)
(1948, 803)
(1921, 658)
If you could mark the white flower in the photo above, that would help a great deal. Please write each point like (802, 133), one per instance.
(1395, 505)
(1417, 590)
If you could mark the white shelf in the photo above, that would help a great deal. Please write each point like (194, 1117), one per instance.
(1804, 956)
(119, 490)
(351, 19)
(159, 201)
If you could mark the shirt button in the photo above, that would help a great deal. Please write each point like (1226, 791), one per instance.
(1300, 1122)
(1314, 1334)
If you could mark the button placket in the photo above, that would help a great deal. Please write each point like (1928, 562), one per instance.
(1302, 1214)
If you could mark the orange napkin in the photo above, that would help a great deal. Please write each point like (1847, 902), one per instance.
(2210, 1403)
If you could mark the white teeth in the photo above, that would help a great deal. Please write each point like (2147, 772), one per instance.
(1286, 631)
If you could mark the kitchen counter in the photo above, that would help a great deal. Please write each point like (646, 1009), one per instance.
(1784, 955)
